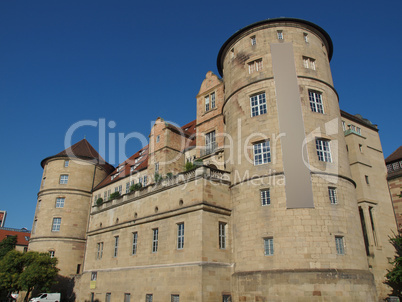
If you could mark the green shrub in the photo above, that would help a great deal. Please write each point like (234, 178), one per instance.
(114, 195)
(99, 201)
(158, 178)
(169, 175)
(189, 166)
(136, 187)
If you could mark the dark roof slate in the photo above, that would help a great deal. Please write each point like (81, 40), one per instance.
(396, 155)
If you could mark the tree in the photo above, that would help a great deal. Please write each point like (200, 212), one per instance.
(394, 276)
(27, 271)
(6, 245)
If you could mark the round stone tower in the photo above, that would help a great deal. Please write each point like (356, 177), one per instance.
(296, 227)
(64, 201)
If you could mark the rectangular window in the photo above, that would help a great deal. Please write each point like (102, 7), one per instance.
(371, 210)
(367, 179)
(315, 101)
(94, 276)
(78, 269)
(135, 240)
(145, 180)
(39, 202)
(126, 297)
(332, 195)
(180, 236)
(148, 298)
(66, 162)
(343, 126)
(262, 153)
(226, 298)
(340, 248)
(213, 100)
(127, 187)
(51, 253)
(60, 202)
(255, 66)
(269, 246)
(207, 103)
(253, 40)
(265, 197)
(34, 226)
(157, 167)
(99, 253)
(108, 296)
(323, 150)
(305, 35)
(116, 245)
(56, 224)
(258, 104)
(280, 35)
(175, 298)
(210, 143)
(309, 63)
(92, 297)
(158, 138)
(120, 189)
(43, 181)
(63, 179)
(222, 235)
(155, 240)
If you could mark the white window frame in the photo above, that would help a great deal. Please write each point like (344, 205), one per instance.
(222, 235)
(265, 195)
(255, 65)
(135, 243)
(213, 103)
(63, 179)
(56, 223)
(279, 34)
(261, 153)
(148, 297)
(157, 167)
(52, 253)
(175, 298)
(253, 40)
(305, 35)
(60, 202)
(323, 147)
(309, 63)
(66, 163)
(127, 187)
(332, 195)
(210, 142)
(207, 103)
(258, 104)
(316, 103)
(116, 246)
(155, 238)
(268, 246)
(180, 236)
(340, 245)
(127, 297)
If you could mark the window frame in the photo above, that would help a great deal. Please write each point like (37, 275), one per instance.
(323, 148)
(258, 104)
(135, 243)
(279, 34)
(253, 40)
(56, 224)
(148, 297)
(265, 197)
(261, 153)
(66, 163)
(222, 235)
(316, 102)
(116, 246)
(340, 245)
(269, 246)
(60, 202)
(63, 179)
(180, 236)
(333, 196)
(206, 102)
(155, 240)
(210, 142)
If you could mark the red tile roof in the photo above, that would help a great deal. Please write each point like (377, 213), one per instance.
(22, 235)
(83, 150)
(396, 155)
(188, 130)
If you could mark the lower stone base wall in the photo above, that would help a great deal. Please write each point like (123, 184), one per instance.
(162, 282)
(304, 286)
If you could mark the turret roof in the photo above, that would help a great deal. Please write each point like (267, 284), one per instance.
(83, 150)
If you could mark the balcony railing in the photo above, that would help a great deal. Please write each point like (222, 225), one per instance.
(209, 149)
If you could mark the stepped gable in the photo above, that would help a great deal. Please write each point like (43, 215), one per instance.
(396, 155)
(82, 150)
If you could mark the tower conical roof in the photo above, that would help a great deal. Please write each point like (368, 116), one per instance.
(82, 150)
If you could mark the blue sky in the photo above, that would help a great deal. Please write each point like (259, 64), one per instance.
(62, 62)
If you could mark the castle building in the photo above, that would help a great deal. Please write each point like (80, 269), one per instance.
(271, 194)
(394, 177)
